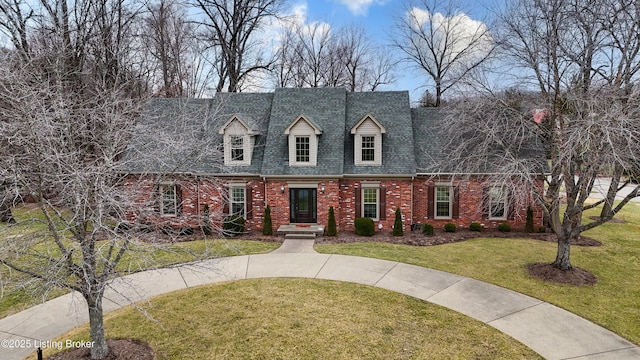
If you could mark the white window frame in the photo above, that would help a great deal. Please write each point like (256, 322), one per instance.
(436, 201)
(308, 150)
(363, 202)
(233, 201)
(494, 191)
(234, 146)
(372, 148)
(172, 203)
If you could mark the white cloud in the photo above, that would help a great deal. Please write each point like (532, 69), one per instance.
(360, 7)
(454, 34)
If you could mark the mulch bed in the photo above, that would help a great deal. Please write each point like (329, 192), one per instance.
(548, 272)
(119, 349)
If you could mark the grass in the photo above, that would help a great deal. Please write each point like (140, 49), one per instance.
(17, 292)
(305, 319)
(612, 302)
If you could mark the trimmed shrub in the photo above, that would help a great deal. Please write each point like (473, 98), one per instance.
(233, 225)
(475, 226)
(267, 225)
(449, 227)
(504, 227)
(427, 229)
(542, 229)
(528, 227)
(397, 224)
(364, 226)
(206, 227)
(332, 229)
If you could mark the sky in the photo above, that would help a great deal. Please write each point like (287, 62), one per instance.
(378, 18)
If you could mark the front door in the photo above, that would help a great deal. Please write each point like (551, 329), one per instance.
(303, 205)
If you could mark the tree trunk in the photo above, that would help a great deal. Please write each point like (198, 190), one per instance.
(96, 328)
(562, 261)
(5, 212)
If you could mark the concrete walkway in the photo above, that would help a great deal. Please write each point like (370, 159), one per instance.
(550, 331)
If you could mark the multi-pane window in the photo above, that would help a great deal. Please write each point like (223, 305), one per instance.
(168, 205)
(302, 149)
(237, 196)
(237, 148)
(368, 148)
(443, 202)
(370, 202)
(497, 203)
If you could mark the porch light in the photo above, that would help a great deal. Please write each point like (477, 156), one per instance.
(282, 189)
(322, 190)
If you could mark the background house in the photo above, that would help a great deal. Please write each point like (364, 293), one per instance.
(302, 151)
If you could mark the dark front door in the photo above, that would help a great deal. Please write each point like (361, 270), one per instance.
(303, 205)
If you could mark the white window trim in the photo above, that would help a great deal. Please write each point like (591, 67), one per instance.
(228, 151)
(161, 189)
(235, 126)
(241, 147)
(244, 201)
(504, 199)
(362, 202)
(303, 127)
(376, 151)
(295, 151)
(359, 132)
(435, 201)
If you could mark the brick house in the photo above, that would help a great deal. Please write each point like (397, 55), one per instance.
(302, 151)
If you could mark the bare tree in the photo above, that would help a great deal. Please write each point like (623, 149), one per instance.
(582, 116)
(316, 55)
(66, 148)
(232, 27)
(179, 62)
(443, 42)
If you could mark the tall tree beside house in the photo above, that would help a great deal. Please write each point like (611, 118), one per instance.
(233, 27)
(443, 42)
(319, 55)
(582, 57)
(70, 94)
(397, 224)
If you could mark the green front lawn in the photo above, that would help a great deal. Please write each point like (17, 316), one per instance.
(304, 319)
(612, 302)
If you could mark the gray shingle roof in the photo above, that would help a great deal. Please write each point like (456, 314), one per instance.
(393, 112)
(325, 107)
(428, 150)
(181, 135)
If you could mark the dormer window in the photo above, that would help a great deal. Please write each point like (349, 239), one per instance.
(238, 138)
(303, 142)
(303, 153)
(368, 148)
(237, 148)
(368, 141)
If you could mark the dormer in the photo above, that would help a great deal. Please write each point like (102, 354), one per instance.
(303, 142)
(368, 141)
(239, 139)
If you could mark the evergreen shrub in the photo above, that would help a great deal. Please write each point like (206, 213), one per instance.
(450, 227)
(364, 226)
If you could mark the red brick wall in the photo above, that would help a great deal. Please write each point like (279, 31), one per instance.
(470, 206)
(410, 196)
(195, 194)
(398, 194)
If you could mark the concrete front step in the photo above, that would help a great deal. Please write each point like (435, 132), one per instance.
(305, 236)
(316, 229)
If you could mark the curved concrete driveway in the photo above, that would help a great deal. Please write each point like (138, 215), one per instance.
(552, 332)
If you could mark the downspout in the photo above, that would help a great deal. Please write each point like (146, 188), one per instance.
(198, 196)
(411, 204)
